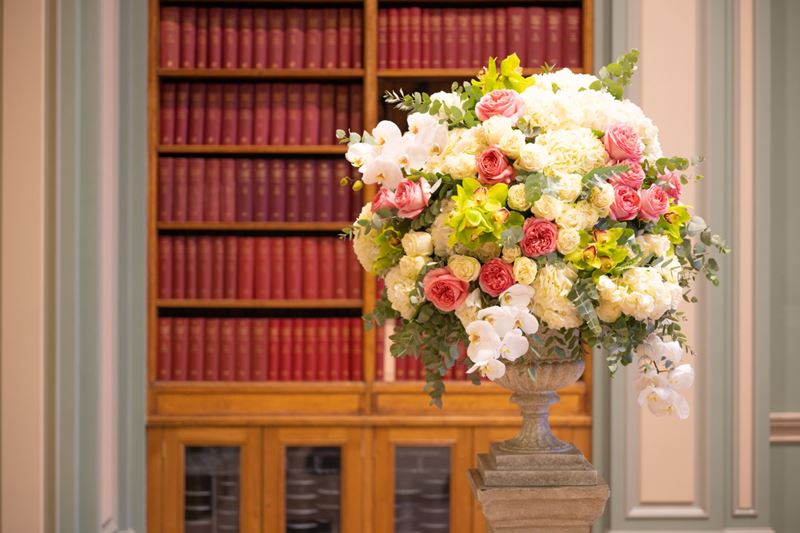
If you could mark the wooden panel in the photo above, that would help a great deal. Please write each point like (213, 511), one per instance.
(155, 480)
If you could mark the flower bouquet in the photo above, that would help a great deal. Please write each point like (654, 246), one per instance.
(528, 218)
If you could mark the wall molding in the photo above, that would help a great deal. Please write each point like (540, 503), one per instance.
(784, 428)
(724, 530)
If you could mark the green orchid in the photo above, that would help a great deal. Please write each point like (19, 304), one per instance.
(390, 250)
(509, 77)
(480, 215)
(671, 223)
(601, 250)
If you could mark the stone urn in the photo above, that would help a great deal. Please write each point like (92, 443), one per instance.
(535, 482)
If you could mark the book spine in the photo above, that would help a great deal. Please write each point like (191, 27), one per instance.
(278, 251)
(327, 128)
(260, 39)
(164, 360)
(218, 268)
(393, 52)
(464, 38)
(340, 269)
(244, 191)
(244, 127)
(535, 46)
(342, 108)
(196, 346)
(263, 268)
(227, 349)
(261, 114)
(383, 39)
(211, 348)
(345, 47)
(572, 46)
(275, 25)
(335, 350)
(285, 367)
(260, 345)
(230, 104)
(313, 39)
(201, 52)
(299, 352)
(230, 37)
(180, 191)
(401, 368)
(555, 37)
(188, 36)
(228, 189)
(515, 32)
(415, 37)
(425, 39)
(354, 278)
(356, 352)
(358, 39)
(476, 28)
(197, 176)
(231, 269)
(489, 48)
(277, 186)
(295, 23)
(379, 354)
(437, 38)
(344, 351)
(245, 38)
(245, 248)
(292, 269)
(342, 195)
(325, 190)
(326, 257)
(294, 113)
(213, 114)
(450, 53)
(170, 40)
(404, 25)
(164, 267)
(500, 33)
(191, 268)
(215, 37)
(180, 348)
(165, 179)
(168, 104)
(308, 181)
(278, 112)
(292, 191)
(310, 120)
(211, 207)
(356, 108)
(182, 113)
(323, 349)
(330, 38)
(310, 343)
(310, 267)
(243, 349)
(274, 351)
(204, 271)
(261, 190)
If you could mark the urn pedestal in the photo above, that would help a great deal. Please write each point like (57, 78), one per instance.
(535, 482)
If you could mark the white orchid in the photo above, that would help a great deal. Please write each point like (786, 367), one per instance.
(666, 354)
(518, 295)
(664, 401)
(662, 377)
(386, 132)
(359, 154)
(382, 170)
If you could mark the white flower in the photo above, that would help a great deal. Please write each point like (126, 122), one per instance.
(602, 196)
(485, 252)
(569, 217)
(383, 171)
(502, 319)
(411, 265)
(417, 243)
(488, 367)
(516, 198)
(568, 240)
(495, 128)
(547, 207)
(398, 290)
(608, 311)
(681, 377)
(386, 132)
(569, 187)
(448, 99)
(464, 267)
(524, 270)
(481, 332)
(467, 312)
(573, 150)
(663, 401)
(565, 80)
(550, 301)
(652, 244)
(440, 231)
(427, 134)
(359, 154)
(517, 295)
(511, 253)
(667, 354)
(532, 157)
(511, 143)
(363, 243)
(460, 166)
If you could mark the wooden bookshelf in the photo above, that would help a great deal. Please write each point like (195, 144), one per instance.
(253, 226)
(262, 73)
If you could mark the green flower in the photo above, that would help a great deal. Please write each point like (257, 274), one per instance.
(671, 223)
(509, 77)
(479, 215)
(601, 250)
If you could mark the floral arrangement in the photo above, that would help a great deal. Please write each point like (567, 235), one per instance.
(527, 218)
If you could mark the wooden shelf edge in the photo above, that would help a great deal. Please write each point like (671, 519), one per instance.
(236, 149)
(260, 387)
(262, 73)
(252, 226)
(260, 304)
(445, 73)
(457, 387)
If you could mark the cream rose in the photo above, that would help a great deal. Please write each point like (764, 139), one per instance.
(657, 245)
(608, 311)
(524, 270)
(511, 143)
(568, 240)
(460, 166)
(547, 207)
(569, 217)
(602, 196)
(516, 198)
(417, 243)
(510, 253)
(569, 187)
(495, 127)
(410, 265)
(532, 157)
(464, 267)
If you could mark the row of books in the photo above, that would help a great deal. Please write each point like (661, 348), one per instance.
(416, 37)
(193, 37)
(259, 349)
(389, 368)
(261, 268)
(258, 113)
(254, 190)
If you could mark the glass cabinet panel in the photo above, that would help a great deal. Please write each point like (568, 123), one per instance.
(313, 489)
(211, 496)
(422, 490)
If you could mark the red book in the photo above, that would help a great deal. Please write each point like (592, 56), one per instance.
(358, 38)
(476, 28)
(230, 104)
(405, 37)
(258, 370)
(164, 360)
(295, 23)
(261, 114)
(211, 366)
(181, 113)
(356, 105)
(274, 351)
(340, 269)
(335, 349)
(227, 349)
(245, 119)
(246, 38)
(330, 38)
(278, 285)
(215, 37)
(205, 266)
(201, 52)
(188, 37)
(231, 268)
(308, 181)
(571, 47)
(164, 267)
(260, 190)
(294, 113)
(515, 32)
(197, 176)
(275, 23)
(535, 38)
(285, 366)
(450, 53)
(180, 190)
(230, 38)
(554, 54)
(383, 39)
(277, 184)
(299, 349)
(437, 38)
(327, 99)
(292, 191)
(379, 349)
(246, 268)
(191, 267)
(342, 195)
(197, 105)
(278, 112)
(401, 369)
(168, 104)
(310, 121)
(165, 169)
(464, 37)
(260, 41)
(353, 273)
(180, 349)
(394, 37)
(311, 353)
(342, 108)
(211, 207)
(500, 33)
(218, 268)
(425, 39)
(262, 257)
(228, 187)
(325, 190)
(292, 270)
(196, 345)
(323, 351)
(313, 40)
(213, 114)
(326, 257)
(356, 359)
(344, 339)
(244, 191)
(345, 46)
(243, 349)
(170, 37)
(310, 267)
(489, 48)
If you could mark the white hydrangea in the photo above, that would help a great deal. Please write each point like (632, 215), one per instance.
(363, 245)
(448, 99)
(550, 302)
(572, 150)
(641, 292)
(651, 243)
(398, 290)
(565, 80)
(495, 127)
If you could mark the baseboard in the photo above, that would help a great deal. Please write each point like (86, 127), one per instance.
(724, 530)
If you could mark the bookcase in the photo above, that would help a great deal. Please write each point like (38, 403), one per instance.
(270, 407)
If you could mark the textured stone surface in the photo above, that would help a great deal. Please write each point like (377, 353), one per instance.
(544, 477)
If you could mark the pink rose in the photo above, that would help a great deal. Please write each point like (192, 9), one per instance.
(503, 102)
(626, 203)
(633, 177)
(444, 290)
(540, 237)
(654, 203)
(411, 197)
(671, 183)
(495, 277)
(493, 167)
(383, 200)
(622, 142)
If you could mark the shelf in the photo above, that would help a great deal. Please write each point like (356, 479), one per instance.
(341, 303)
(235, 149)
(252, 226)
(443, 73)
(235, 387)
(262, 73)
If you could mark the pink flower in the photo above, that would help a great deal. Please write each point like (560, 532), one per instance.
(495, 277)
(622, 142)
(411, 197)
(540, 237)
(655, 203)
(493, 167)
(633, 177)
(503, 102)
(383, 200)
(626, 203)
(444, 290)
(671, 183)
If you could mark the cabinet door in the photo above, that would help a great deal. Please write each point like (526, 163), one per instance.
(212, 480)
(313, 480)
(421, 482)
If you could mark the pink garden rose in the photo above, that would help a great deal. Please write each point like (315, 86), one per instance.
(622, 142)
(671, 183)
(493, 167)
(654, 203)
(540, 237)
(626, 203)
(411, 197)
(384, 199)
(444, 290)
(495, 277)
(633, 177)
(503, 102)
